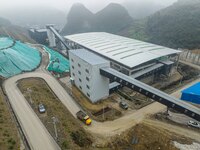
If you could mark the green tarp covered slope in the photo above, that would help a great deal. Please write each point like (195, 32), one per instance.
(5, 42)
(57, 62)
(18, 58)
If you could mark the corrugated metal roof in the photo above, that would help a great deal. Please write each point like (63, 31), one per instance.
(129, 52)
(89, 57)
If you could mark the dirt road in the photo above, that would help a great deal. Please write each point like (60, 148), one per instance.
(175, 129)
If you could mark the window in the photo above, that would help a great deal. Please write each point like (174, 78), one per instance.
(79, 72)
(88, 95)
(88, 86)
(80, 87)
(79, 65)
(72, 60)
(73, 74)
(87, 79)
(80, 80)
(72, 67)
(86, 70)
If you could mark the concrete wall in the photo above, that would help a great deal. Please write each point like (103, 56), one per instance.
(190, 56)
(97, 87)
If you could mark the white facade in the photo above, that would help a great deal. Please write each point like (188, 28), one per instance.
(84, 69)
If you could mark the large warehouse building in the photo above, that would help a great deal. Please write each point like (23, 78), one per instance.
(131, 57)
(137, 59)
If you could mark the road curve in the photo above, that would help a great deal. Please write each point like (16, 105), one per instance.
(35, 132)
(38, 136)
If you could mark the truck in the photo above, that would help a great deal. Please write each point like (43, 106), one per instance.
(83, 117)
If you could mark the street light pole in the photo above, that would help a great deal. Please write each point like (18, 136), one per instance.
(103, 112)
(55, 128)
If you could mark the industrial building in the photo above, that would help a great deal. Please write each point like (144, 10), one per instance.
(192, 94)
(39, 35)
(129, 56)
(85, 71)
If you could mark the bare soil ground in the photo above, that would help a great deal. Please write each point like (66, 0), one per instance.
(70, 133)
(9, 137)
(93, 109)
(146, 136)
(196, 51)
(163, 117)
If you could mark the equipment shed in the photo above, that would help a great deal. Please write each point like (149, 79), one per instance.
(192, 94)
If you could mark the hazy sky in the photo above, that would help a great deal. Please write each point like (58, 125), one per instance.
(93, 5)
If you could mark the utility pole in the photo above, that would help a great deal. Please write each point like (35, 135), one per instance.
(103, 113)
(55, 128)
(29, 93)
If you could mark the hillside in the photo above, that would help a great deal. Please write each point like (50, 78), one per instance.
(35, 16)
(141, 9)
(79, 20)
(4, 22)
(112, 18)
(176, 26)
(16, 32)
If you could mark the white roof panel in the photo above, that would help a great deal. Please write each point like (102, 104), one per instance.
(126, 51)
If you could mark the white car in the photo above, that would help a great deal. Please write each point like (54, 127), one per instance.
(194, 124)
(41, 108)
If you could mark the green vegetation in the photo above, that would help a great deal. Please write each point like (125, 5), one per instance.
(9, 139)
(176, 26)
(136, 31)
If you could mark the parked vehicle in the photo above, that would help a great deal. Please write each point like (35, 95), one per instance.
(194, 124)
(41, 108)
(83, 117)
(123, 105)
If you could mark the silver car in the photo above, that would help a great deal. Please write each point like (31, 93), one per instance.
(194, 124)
(41, 108)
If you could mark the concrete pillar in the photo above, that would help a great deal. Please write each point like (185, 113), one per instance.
(51, 36)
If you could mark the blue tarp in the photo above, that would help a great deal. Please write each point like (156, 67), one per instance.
(192, 94)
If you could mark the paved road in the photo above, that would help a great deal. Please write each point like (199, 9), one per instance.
(36, 133)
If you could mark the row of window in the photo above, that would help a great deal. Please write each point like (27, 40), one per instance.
(88, 87)
(80, 87)
(80, 79)
(86, 70)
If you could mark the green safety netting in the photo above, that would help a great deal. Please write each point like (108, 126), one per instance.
(5, 42)
(57, 62)
(17, 59)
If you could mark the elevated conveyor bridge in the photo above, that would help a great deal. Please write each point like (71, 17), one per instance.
(58, 36)
(152, 93)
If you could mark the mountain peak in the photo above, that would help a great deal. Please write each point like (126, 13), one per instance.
(112, 18)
